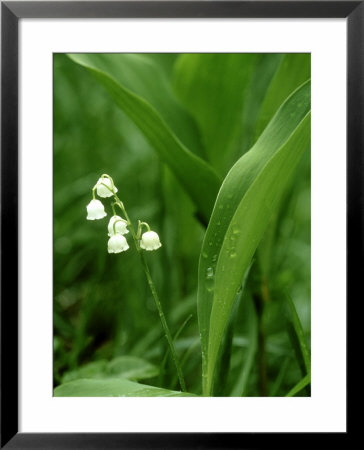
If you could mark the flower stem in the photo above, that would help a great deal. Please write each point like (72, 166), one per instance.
(155, 296)
(164, 322)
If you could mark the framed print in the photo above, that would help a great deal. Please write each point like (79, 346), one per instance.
(181, 217)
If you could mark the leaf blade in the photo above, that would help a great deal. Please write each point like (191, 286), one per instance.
(295, 69)
(299, 334)
(235, 186)
(195, 175)
(114, 387)
(213, 88)
(243, 241)
(239, 389)
(305, 381)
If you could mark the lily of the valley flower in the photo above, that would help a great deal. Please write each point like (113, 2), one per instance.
(95, 210)
(150, 241)
(117, 244)
(120, 226)
(105, 188)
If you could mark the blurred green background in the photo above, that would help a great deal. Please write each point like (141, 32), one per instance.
(103, 309)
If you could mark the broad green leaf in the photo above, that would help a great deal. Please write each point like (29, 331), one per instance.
(300, 336)
(299, 386)
(144, 76)
(246, 229)
(95, 369)
(166, 61)
(112, 387)
(160, 121)
(294, 70)
(132, 368)
(213, 87)
(242, 210)
(278, 76)
(129, 367)
(271, 241)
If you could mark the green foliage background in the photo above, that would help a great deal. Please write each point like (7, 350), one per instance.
(105, 323)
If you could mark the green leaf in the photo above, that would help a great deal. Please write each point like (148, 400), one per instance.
(112, 387)
(246, 229)
(132, 368)
(95, 369)
(226, 350)
(213, 87)
(129, 367)
(144, 76)
(266, 67)
(165, 61)
(299, 386)
(240, 387)
(281, 374)
(143, 95)
(300, 336)
(294, 70)
(245, 203)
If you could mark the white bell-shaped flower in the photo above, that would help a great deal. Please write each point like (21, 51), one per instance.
(117, 244)
(104, 188)
(150, 241)
(95, 210)
(120, 226)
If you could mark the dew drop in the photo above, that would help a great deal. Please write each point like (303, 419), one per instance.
(236, 229)
(210, 279)
(210, 286)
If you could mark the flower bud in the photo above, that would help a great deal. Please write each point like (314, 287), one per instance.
(102, 190)
(117, 244)
(95, 210)
(150, 241)
(120, 226)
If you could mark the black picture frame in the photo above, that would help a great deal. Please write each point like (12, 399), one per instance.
(11, 12)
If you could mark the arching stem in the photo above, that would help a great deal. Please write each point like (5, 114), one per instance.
(153, 290)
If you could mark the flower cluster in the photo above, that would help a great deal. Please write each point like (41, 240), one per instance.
(118, 227)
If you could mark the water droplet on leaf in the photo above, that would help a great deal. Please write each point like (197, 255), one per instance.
(210, 279)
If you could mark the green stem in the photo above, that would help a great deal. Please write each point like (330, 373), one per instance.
(155, 296)
(164, 322)
(262, 356)
(140, 227)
